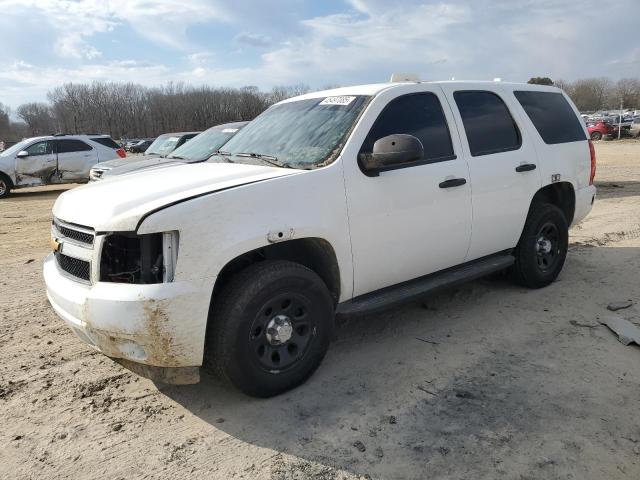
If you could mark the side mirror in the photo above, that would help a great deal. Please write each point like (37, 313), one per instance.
(392, 151)
(22, 154)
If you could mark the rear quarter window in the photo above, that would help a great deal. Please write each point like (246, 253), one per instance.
(553, 117)
(107, 142)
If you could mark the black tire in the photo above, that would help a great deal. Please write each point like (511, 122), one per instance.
(5, 185)
(240, 348)
(596, 136)
(542, 249)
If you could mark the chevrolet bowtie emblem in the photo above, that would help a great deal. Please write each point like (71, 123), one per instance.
(55, 245)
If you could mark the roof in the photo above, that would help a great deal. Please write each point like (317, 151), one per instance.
(376, 88)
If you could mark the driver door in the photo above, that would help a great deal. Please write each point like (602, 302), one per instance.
(408, 222)
(39, 166)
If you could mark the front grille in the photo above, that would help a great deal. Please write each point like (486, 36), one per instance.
(73, 234)
(74, 266)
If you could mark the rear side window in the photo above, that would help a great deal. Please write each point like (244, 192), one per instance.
(552, 116)
(68, 146)
(489, 126)
(107, 142)
(420, 115)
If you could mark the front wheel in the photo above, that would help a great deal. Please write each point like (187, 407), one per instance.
(5, 186)
(542, 248)
(596, 136)
(271, 327)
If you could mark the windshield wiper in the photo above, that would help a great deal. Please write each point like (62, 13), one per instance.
(270, 159)
(220, 153)
(177, 157)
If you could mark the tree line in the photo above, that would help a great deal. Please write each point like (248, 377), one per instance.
(134, 111)
(601, 93)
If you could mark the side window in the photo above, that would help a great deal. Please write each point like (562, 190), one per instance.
(552, 116)
(420, 115)
(68, 146)
(40, 148)
(489, 126)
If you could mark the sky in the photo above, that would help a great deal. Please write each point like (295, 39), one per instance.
(45, 43)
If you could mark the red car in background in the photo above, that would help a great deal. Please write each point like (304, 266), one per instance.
(599, 128)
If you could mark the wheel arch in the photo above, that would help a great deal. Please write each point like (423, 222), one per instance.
(314, 253)
(7, 177)
(560, 194)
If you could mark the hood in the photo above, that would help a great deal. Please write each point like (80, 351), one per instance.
(119, 203)
(118, 162)
(135, 164)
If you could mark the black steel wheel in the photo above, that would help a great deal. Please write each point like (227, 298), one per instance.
(270, 327)
(547, 247)
(282, 331)
(542, 249)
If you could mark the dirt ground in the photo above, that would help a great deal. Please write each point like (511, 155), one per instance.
(485, 381)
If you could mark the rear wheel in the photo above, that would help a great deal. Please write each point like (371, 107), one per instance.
(596, 136)
(271, 327)
(542, 248)
(5, 186)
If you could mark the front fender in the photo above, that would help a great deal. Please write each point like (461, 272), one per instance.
(214, 229)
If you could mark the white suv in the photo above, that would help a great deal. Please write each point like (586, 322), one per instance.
(54, 159)
(335, 202)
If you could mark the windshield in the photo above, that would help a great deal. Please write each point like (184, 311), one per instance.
(15, 149)
(204, 145)
(163, 145)
(299, 134)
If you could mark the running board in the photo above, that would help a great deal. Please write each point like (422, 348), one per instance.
(389, 296)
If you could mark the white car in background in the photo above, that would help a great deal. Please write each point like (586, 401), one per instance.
(54, 159)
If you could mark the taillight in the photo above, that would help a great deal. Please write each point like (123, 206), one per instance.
(121, 153)
(592, 151)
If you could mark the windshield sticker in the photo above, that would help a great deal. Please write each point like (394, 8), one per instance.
(229, 130)
(343, 100)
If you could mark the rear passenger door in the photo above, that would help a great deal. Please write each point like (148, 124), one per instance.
(75, 159)
(502, 164)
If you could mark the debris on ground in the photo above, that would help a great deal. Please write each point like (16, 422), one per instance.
(615, 306)
(575, 323)
(627, 332)
(360, 446)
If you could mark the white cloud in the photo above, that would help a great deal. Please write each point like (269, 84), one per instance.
(253, 39)
(76, 21)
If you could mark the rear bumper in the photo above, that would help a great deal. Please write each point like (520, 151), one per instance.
(585, 197)
(161, 325)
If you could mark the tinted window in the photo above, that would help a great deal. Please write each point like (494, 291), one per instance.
(40, 148)
(419, 115)
(487, 122)
(68, 146)
(107, 142)
(552, 116)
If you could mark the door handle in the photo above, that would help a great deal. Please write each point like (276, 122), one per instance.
(453, 182)
(525, 167)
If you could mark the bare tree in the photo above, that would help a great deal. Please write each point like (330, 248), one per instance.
(38, 117)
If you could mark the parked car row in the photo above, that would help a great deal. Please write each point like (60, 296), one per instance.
(59, 159)
(198, 149)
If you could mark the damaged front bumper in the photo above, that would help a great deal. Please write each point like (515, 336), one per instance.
(156, 330)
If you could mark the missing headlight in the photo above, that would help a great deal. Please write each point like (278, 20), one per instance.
(131, 258)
